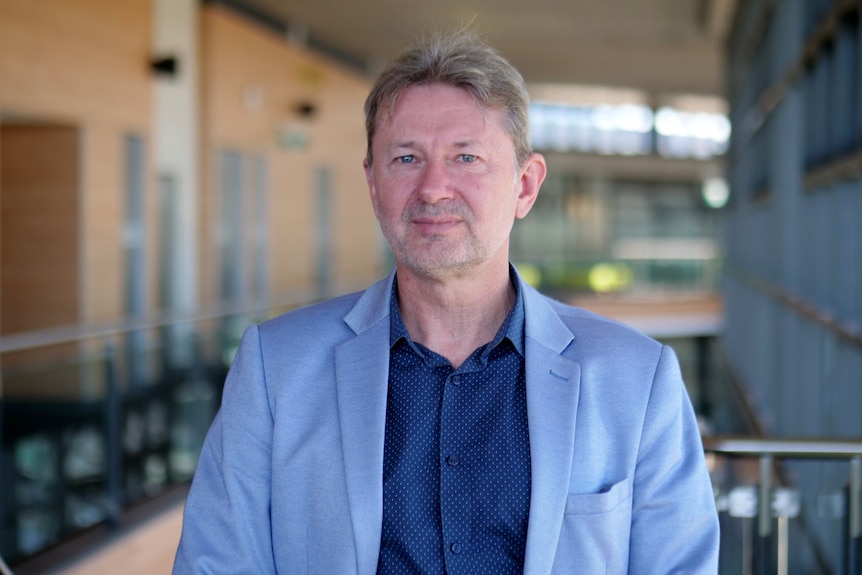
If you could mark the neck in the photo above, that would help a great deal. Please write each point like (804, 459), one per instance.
(454, 316)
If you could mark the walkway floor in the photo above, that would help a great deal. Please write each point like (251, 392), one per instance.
(660, 315)
(148, 549)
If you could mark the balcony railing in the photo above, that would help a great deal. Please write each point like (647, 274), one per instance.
(86, 458)
(99, 420)
(772, 502)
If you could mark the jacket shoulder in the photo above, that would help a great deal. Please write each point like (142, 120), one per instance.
(600, 332)
(584, 318)
(315, 320)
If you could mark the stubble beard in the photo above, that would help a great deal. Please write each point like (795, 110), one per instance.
(439, 255)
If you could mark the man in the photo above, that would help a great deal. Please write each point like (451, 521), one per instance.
(450, 419)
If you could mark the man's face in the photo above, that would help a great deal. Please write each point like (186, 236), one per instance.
(444, 183)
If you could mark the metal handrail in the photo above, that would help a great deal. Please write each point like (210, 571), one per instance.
(95, 330)
(79, 332)
(848, 332)
(783, 447)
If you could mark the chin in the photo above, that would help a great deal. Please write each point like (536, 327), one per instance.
(439, 268)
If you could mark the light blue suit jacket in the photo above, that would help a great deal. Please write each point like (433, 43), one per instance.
(290, 479)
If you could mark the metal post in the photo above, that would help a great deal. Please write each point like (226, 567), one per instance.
(4, 489)
(704, 369)
(783, 545)
(746, 546)
(764, 517)
(113, 437)
(854, 560)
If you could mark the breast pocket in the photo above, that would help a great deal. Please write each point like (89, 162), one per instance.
(595, 531)
(604, 501)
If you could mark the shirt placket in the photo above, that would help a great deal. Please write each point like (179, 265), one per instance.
(454, 502)
(455, 468)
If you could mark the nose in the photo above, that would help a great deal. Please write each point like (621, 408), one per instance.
(435, 182)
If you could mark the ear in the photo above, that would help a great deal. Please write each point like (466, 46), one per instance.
(532, 175)
(369, 179)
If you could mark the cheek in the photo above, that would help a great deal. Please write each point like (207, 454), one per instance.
(386, 205)
(394, 190)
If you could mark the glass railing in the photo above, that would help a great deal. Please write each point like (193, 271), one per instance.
(99, 420)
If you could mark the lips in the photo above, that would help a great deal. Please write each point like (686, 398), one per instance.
(435, 225)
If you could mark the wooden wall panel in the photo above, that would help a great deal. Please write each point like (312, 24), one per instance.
(103, 220)
(86, 63)
(253, 83)
(76, 59)
(39, 248)
(39, 251)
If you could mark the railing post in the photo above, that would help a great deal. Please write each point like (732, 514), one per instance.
(783, 565)
(113, 437)
(704, 369)
(4, 476)
(763, 553)
(747, 552)
(854, 559)
(786, 503)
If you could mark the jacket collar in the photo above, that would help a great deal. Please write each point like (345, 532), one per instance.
(542, 322)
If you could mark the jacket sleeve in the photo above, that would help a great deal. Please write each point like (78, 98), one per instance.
(674, 518)
(226, 522)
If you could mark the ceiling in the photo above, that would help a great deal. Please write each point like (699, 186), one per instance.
(660, 47)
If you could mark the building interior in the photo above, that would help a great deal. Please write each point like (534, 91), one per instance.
(200, 164)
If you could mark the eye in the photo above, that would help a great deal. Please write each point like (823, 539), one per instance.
(408, 159)
(467, 158)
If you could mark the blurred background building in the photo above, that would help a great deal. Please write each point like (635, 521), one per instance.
(173, 170)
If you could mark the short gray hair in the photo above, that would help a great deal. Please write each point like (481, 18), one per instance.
(463, 61)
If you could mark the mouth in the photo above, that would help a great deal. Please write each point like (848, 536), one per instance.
(438, 225)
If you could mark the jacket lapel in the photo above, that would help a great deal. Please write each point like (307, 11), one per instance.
(362, 372)
(553, 382)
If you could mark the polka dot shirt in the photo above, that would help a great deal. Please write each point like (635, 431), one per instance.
(456, 459)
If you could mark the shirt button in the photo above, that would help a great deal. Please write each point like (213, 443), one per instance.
(456, 379)
(455, 548)
(452, 460)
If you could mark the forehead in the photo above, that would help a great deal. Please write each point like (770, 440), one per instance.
(439, 106)
(436, 93)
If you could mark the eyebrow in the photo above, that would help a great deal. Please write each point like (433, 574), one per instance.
(413, 144)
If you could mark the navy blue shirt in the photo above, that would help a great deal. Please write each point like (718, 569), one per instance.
(456, 458)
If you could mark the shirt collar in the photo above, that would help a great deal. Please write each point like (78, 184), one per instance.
(512, 327)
